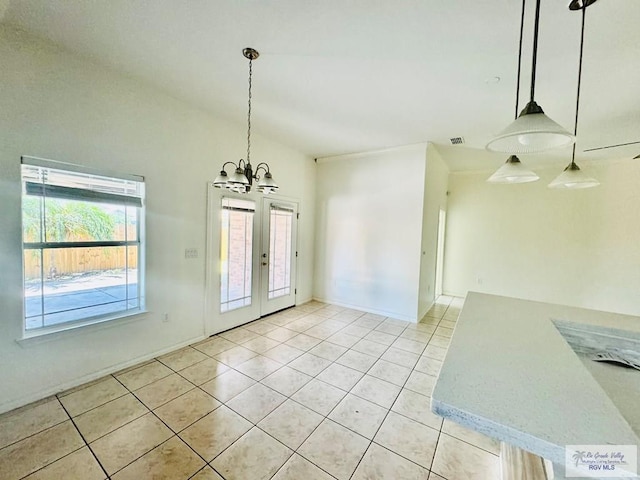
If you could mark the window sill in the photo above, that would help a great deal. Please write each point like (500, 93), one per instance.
(40, 336)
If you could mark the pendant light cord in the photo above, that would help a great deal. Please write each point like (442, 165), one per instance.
(575, 128)
(249, 113)
(535, 51)
(520, 58)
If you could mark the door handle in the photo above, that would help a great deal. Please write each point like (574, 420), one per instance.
(264, 264)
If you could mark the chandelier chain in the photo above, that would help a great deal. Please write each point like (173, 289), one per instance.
(249, 113)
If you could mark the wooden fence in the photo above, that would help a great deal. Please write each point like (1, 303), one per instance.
(64, 261)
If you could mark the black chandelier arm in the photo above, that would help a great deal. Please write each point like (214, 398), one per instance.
(262, 166)
(228, 163)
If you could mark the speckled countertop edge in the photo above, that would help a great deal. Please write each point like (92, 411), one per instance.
(511, 375)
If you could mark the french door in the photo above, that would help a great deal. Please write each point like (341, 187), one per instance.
(251, 257)
(278, 257)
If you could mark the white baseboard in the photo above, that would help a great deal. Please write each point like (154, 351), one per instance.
(300, 301)
(47, 392)
(454, 294)
(385, 313)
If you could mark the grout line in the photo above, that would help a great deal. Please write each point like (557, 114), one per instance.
(38, 432)
(440, 433)
(389, 410)
(469, 443)
(175, 434)
(85, 441)
(102, 404)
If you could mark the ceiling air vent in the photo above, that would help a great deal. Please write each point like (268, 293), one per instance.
(457, 140)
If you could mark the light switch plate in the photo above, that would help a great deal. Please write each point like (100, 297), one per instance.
(190, 253)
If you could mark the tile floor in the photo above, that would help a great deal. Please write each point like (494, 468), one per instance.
(315, 392)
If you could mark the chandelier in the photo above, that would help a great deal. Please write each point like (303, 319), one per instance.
(241, 180)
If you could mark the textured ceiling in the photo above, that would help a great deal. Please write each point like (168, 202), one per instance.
(339, 77)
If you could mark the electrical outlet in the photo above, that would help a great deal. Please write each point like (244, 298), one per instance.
(190, 253)
(480, 280)
(165, 318)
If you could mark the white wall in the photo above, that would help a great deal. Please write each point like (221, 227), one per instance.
(435, 198)
(579, 248)
(60, 106)
(368, 230)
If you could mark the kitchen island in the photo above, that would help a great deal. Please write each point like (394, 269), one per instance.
(512, 375)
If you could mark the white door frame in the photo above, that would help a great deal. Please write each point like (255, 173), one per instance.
(269, 306)
(442, 222)
(214, 320)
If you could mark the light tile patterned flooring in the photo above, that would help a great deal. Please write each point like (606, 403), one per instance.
(315, 392)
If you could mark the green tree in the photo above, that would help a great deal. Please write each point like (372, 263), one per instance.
(65, 220)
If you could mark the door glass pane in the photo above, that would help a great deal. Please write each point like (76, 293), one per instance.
(281, 219)
(236, 253)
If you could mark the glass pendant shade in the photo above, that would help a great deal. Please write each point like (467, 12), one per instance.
(513, 171)
(266, 184)
(573, 178)
(221, 180)
(531, 132)
(238, 178)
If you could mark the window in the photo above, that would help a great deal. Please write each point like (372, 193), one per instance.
(82, 245)
(236, 253)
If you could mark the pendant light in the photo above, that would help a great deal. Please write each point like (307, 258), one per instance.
(513, 171)
(532, 131)
(573, 177)
(241, 180)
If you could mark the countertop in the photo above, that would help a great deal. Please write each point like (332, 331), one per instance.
(511, 375)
